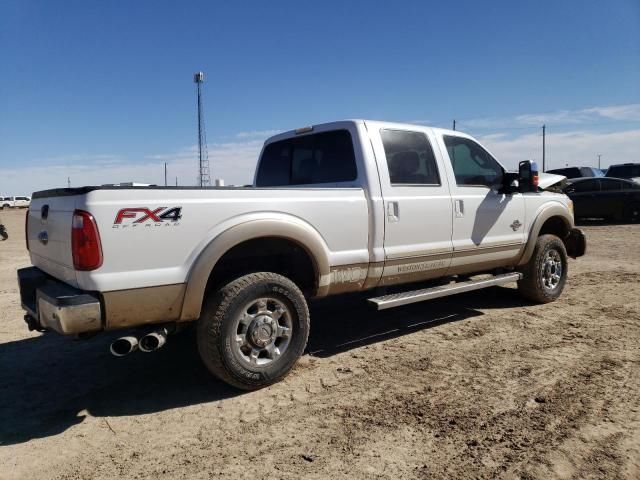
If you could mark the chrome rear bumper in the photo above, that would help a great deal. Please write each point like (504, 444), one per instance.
(53, 305)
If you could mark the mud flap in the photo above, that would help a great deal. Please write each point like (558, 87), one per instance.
(576, 243)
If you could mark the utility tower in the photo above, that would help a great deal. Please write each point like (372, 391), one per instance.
(204, 179)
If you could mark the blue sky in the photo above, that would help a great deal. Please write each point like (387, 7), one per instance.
(103, 92)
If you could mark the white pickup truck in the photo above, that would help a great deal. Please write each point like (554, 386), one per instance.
(334, 208)
(14, 202)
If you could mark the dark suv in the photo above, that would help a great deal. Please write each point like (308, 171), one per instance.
(577, 172)
(624, 170)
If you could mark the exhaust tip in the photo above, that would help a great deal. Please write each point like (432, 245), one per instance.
(124, 346)
(152, 341)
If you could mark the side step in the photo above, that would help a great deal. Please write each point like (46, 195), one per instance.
(405, 298)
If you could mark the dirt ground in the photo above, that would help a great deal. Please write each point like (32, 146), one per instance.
(476, 386)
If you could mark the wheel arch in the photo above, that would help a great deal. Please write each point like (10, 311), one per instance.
(553, 219)
(283, 228)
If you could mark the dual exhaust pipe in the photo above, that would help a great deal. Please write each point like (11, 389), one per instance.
(148, 343)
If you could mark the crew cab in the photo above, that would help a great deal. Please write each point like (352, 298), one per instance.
(339, 207)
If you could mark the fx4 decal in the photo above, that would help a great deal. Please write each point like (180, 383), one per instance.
(134, 217)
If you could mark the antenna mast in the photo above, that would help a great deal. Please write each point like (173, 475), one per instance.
(204, 179)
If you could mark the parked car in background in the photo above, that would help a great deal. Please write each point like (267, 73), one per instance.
(577, 172)
(630, 171)
(15, 202)
(610, 198)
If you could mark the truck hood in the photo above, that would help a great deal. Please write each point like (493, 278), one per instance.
(547, 180)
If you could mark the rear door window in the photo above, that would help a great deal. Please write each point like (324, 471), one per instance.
(326, 157)
(410, 158)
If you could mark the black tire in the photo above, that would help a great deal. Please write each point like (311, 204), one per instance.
(632, 213)
(3, 235)
(219, 328)
(539, 282)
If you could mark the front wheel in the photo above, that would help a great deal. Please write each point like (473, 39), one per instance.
(253, 330)
(3, 233)
(545, 275)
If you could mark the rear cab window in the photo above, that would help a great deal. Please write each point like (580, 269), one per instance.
(319, 158)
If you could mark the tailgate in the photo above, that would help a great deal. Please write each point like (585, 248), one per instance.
(49, 235)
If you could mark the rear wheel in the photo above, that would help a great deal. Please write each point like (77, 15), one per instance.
(545, 275)
(253, 330)
(632, 212)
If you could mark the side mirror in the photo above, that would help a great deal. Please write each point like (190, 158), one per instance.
(509, 183)
(528, 176)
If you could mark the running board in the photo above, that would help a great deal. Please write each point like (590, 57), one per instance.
(405, 298)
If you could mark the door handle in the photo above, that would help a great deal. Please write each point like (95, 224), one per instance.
(459, 206)
(393, 212)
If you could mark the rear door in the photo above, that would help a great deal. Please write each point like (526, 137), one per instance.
(488, 226)
(417, 204)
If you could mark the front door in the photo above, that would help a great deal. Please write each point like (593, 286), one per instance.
(417, 204)
(488, 226)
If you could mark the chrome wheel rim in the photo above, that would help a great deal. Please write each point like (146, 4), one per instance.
(263, 331)
(551, 270)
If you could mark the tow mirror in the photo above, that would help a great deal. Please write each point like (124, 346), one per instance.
(509, 183)
(528, 176)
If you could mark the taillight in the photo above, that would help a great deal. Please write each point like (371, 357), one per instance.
(26, 229)
(85, 242)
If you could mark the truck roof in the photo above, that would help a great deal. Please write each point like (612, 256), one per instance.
(342, 123)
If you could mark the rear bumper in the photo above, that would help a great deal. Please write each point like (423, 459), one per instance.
(576, 243)
(54, 305)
